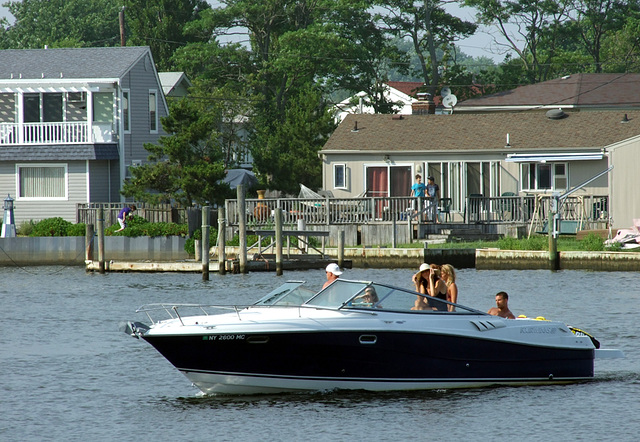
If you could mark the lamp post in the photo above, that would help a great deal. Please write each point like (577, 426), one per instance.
(8, 223)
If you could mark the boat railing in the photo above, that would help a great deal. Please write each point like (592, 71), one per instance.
(180, 311)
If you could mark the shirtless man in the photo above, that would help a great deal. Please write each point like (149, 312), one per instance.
(333, 272)
(502, 308)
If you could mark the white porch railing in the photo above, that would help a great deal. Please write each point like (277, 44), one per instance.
(77, 132)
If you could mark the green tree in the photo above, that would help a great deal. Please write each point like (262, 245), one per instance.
(597, 19)
(622, 48)
(431, 30)
(298, 51)
(61, 23)
(187, 165)
(287, 153)
(531, 28)
(160, 25)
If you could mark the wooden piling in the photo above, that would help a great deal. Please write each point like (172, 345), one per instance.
(278, 226)
(341, 249)
(553, 243)
(222, 256)
(88, 242)
(100, 226)
(206, 216)
(242, 229)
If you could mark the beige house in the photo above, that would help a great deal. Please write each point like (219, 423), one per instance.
(489, 154)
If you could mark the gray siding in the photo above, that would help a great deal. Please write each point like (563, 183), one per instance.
(140, 79)
(625, 182)
(25, 210)
(99, 182)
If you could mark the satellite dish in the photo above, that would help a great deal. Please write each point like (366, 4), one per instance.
(445, 91)
(449, 101)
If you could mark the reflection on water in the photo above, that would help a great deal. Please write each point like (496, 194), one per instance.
(70, 374)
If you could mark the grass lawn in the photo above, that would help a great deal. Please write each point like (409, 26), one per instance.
(536, 242)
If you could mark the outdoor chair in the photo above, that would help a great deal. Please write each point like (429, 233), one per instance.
(445, 208)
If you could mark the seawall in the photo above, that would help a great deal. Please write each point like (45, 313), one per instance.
(70, 250)
(26, 251)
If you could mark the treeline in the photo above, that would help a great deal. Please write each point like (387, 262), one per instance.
(275, 68)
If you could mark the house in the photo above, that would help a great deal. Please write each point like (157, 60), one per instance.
(402, 93)
(489, 154)
(174, 84)
(571, 92)
(72, 123)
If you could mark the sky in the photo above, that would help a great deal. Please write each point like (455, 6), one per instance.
(477, 45)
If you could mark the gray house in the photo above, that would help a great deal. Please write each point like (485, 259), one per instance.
(72, 123)
(490, 154)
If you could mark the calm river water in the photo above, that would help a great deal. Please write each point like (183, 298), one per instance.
(68, 373)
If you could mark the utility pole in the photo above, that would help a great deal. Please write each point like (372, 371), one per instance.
(121, 19)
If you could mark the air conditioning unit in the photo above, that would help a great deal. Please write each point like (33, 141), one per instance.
(76, 97)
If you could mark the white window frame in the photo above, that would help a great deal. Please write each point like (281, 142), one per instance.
(153, 118)
(126, 122)
(336, 184)
(525, 185)
(21, 166)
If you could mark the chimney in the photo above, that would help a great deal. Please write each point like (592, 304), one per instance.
(424, 106)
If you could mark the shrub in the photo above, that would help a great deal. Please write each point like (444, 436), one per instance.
(536, 242)
(593, 243)
(51, 227)
(190, 243)
(26, 228)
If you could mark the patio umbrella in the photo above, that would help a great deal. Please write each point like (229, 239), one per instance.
(235, 177)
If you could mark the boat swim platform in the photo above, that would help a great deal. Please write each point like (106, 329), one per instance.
(263, 264)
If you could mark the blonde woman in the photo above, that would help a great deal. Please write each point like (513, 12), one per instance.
(448, 275)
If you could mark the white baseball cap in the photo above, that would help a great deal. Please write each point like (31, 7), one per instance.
(333, 268)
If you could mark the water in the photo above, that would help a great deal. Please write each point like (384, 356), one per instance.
(68, 373)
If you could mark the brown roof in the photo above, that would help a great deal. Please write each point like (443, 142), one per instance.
(411, 88)
(581, 90)
(485, 131)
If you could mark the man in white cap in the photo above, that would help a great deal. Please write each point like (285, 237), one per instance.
(333, 271)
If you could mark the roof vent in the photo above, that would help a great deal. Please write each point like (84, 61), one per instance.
(396, 117)
(556, 114)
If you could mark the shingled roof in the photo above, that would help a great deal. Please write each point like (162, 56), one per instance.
(486, 131)
(69, 63)
(578, 90)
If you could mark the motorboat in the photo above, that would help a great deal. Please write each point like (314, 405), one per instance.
(361, 335)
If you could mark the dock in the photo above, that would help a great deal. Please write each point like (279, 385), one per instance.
(266, 263)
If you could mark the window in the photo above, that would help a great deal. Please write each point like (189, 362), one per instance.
(103, 107)
(42, 181)
(339, 176)
(543, 176)
(153, 112)
(126, 116)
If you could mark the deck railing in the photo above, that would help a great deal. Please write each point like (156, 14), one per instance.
(534, 208)
(327, 211)
(76, 132)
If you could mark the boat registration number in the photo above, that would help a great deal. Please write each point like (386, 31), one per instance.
(222, 337)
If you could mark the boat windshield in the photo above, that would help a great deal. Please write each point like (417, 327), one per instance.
(362, 294)
(289, 293)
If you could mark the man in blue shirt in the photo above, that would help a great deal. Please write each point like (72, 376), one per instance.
(417, 191)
